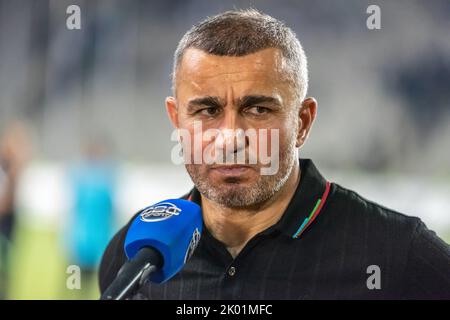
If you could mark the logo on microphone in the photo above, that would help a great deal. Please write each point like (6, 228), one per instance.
(160, 212)
(192, 245)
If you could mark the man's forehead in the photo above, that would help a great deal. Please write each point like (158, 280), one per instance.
(199, 70)
(200, 64)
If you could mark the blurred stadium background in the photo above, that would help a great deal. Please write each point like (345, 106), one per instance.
(383, 126)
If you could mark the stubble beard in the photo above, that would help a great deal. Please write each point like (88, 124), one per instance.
(233, 194)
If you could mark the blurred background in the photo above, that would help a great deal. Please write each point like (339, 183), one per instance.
(85, 143)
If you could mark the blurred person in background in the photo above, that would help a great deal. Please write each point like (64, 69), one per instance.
(91, 224)
(13, 155)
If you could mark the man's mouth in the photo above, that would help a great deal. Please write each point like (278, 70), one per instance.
(231, 170)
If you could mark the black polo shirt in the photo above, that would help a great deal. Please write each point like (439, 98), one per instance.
(330, 243)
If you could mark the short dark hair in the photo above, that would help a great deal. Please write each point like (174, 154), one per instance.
(242, 32)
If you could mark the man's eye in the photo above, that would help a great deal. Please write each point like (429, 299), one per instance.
(258, 110)
(211, 111)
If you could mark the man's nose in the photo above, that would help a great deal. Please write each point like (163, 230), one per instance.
(231, 120)
(232, 130)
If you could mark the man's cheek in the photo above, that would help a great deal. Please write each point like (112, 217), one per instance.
(269, 151)
(190, 137)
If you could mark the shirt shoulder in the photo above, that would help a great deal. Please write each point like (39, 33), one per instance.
(414, 256)
(428, 266)
(374, 215)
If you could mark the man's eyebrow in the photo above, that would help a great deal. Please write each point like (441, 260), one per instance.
(251, 100)
(204, 101)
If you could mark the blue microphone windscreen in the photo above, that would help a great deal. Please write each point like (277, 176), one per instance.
(173, 227)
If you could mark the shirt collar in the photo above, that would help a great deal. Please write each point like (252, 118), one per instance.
(309, 198)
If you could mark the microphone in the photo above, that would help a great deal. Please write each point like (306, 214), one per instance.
(159, 242)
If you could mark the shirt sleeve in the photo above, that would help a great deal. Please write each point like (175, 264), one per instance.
(427, 271)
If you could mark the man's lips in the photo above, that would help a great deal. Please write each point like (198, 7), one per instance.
(231, 170)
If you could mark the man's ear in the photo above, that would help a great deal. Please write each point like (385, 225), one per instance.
(172, 110)
(306, 114)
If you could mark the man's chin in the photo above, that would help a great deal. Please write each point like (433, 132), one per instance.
(229, 190)
(233, 193)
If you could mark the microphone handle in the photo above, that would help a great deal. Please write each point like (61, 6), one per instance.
(133, 273)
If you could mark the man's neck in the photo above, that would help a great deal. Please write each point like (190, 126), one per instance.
(235, 227)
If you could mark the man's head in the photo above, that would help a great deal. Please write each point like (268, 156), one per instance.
(241, 70)
(239, 33)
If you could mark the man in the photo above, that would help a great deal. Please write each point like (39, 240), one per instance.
(290, 234)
